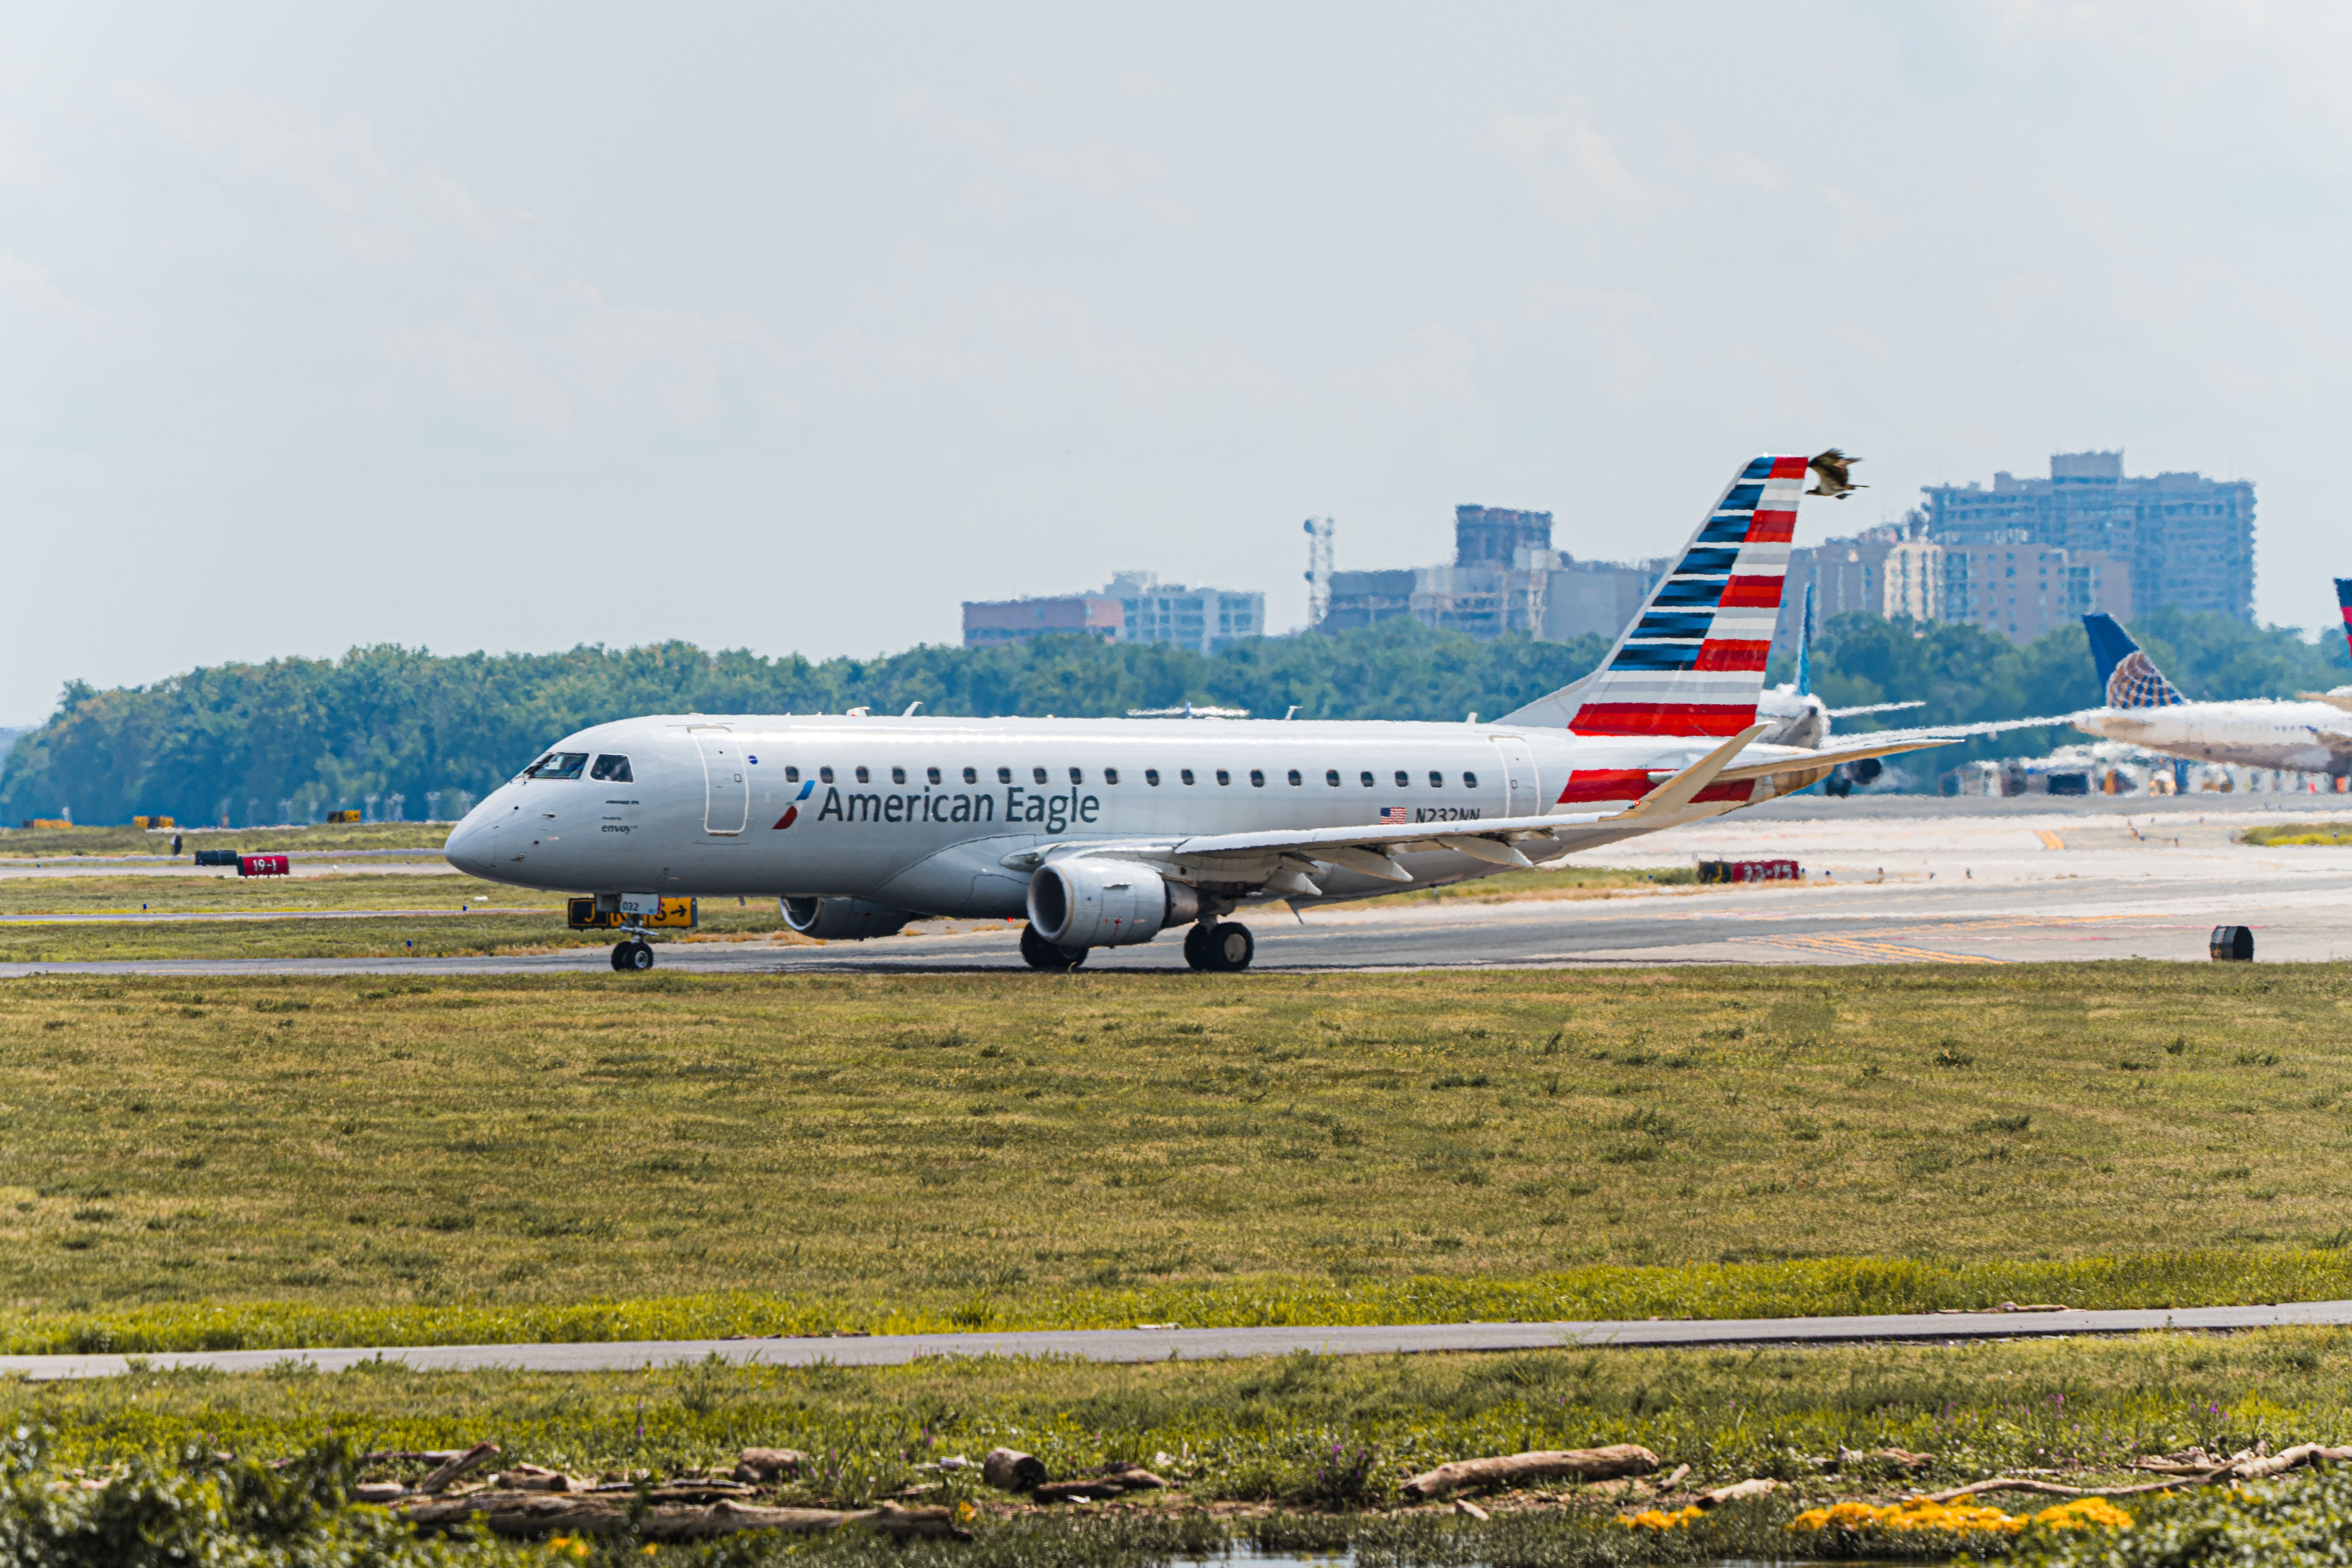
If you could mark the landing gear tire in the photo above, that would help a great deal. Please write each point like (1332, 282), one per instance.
(1039, 953)
(1225, 948)
(635, 954)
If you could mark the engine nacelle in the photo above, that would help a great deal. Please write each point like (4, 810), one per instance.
(842, 920)
(1104, 903)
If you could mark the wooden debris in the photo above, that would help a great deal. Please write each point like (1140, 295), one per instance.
(1010, 1470)
(1755, 1487)
(379, 1492)
(529, 1515)
(757, 1465)
(1468, 1510)
(458, 1465)
(1584, 1464)
(1674, 1479)
(1110, 1481)
(532, 1478)
(1901, 1458)
(2246, 1464)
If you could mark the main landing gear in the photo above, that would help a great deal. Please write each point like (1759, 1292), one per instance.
(1223, 946)
(1039, 953)
(632, 955)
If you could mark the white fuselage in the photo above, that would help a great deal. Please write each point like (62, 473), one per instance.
(921, 814)
(2307, 737)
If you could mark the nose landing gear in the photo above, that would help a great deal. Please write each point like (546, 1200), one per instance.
(1223, 947)
(632, 955)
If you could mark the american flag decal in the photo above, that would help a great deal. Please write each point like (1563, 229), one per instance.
(1392, 816)
(1693, 661)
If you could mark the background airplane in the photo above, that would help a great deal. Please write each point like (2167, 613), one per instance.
(2311, 733)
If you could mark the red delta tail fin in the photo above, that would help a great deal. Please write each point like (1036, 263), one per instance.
(1692, 662)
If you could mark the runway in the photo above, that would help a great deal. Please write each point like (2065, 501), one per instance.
(1177, 1343)
(1891, 881)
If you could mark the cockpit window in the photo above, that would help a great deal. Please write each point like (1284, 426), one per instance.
(609, 766)
(558, 765)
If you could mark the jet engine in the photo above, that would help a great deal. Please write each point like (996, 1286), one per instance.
(1104, 903)
(842, 920)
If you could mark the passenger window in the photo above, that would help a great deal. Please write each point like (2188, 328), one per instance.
(557, 765)
(1004, 776)
(1188, 775)
(1110, 776)
(1436, 779)
(1295, 780)
(971, 775)
(1404, 780)
(1469, 781)
(792, 776)
(1038, 775)
(1367, 778)
(826, 774)
(611, 768)
(862, 775)
(1151, 777)
(1224, 777)
(1077, 777)
(1331, 777)
(1257, 778)
(932, 774)
(898, 775)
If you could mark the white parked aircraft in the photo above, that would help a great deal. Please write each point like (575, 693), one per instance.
(1107, 831)
(2310, 734)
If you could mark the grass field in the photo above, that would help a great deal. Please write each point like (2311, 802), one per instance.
(1306, 1452)
(303, 1161)
(2299, 833)
(53, 843)
(501, 918)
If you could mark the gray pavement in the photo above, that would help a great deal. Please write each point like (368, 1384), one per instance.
(1889, 880)
(1143, 1344)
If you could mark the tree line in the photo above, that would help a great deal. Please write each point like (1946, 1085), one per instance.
(293, 738)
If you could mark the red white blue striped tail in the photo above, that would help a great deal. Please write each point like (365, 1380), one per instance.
(1693, 661)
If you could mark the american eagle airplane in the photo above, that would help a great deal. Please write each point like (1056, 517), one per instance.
(1106, 832)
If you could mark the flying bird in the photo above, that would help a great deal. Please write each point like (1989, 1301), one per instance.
(1833, 470)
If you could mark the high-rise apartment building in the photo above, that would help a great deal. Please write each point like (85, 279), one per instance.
(2180, 538)
(1505, 578)
(1135, 607)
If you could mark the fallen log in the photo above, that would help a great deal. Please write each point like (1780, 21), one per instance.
(757, 1465)
(530, 1515)
(1758, 1487)
(1010, 1470)
(458, 1465)
(532, 1478)
(1468, 1510)
(2244, 1467)
(1503, 1470)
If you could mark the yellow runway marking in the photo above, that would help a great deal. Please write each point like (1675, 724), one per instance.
(1881, 949)
(2050, 840)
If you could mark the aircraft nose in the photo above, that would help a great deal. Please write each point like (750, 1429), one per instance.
(468, 846)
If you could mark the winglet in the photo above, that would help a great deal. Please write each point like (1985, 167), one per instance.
(1682, 788)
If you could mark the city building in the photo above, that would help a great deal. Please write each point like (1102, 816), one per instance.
(992, 623)
(1134, 607)
(2182, 539)
(2001, 581)
(1505, 578)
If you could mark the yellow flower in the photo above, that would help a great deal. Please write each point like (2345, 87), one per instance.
(1656, 1519)
(2084, 1514)
(1921, 1516)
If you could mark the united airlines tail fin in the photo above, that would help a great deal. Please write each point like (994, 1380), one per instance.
(1693, 661)
(2344, 601)
(2127, 678)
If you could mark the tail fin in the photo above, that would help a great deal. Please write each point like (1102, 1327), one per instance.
(1693, 661)
(2127, 678)
(1805, 647)
(2344, 601)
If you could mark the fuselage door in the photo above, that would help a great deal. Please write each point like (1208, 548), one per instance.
(727, 788)
(1523, 792)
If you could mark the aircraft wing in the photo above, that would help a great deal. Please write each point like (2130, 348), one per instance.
(1893, 742)
(1279, 858)
(1962, 732)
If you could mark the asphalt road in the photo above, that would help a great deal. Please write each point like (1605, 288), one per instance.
(1890, 881)
(1198, 1345)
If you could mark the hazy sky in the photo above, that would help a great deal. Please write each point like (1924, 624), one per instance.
(789, 328)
